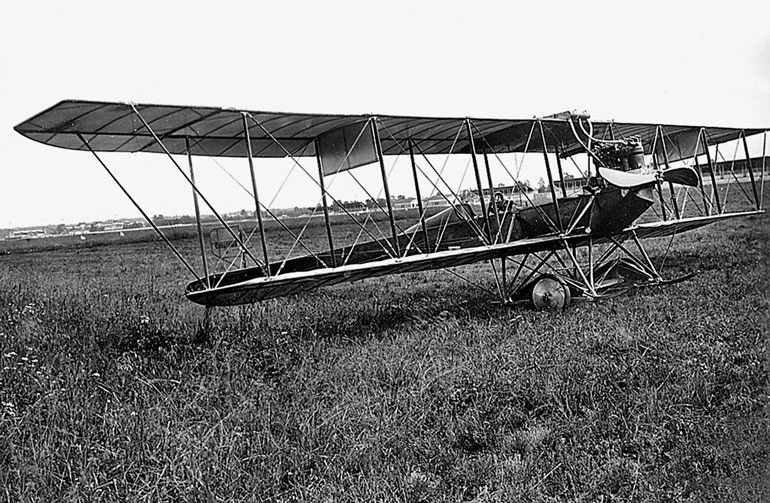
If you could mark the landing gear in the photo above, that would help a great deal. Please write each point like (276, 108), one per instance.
(551, 279)
(550, 293)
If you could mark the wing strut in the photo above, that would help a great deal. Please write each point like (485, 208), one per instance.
(665, 163)
(258, 209)
(419, 196)
(751, 171)
(472, 146)
(707, 206)
(198, 216)
(492, 196)
(550, 177)
(294, 159)
(324, 203)
(460, 210)
(762, 174)
(195, 187)
(378, 146)
(657, 182)
(561, 172)
(543, 214)
(146, 217)
(714, 190)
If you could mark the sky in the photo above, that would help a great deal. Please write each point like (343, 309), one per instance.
(655, 61)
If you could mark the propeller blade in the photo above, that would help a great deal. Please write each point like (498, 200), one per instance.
(626, 180)
(630, 180)
(682, 176)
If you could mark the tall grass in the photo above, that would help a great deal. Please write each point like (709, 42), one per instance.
(410, 388)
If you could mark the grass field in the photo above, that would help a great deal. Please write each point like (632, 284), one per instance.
(409, 388)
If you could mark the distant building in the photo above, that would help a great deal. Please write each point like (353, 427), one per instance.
(27, 234)
(438, 201)
(404, 204)
(352, 207)
(112, 226)
(571, 184)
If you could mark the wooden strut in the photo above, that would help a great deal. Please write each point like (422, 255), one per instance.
(762, 175)
(492, 200)
(499, 281)
(460, 210)
(589, 284)
(550, 177)
(201, 242)
(561, 172)
(258, 208)
(706, 202)
(516, 183)
(657, 182)
(482, 235)
(472, 146)
(665, 162)
(644, 254)
(195, 187)
(751, 171)
(425, 235)
(534, 270)
(144, 214)
(325, 204)
(381, 159)
(648, 267)
(714, 189)
(590, 250)
(301, 167)
(575, 222)
(508, 286)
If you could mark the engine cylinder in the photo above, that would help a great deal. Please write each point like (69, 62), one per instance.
(636, 157)
(625, 155)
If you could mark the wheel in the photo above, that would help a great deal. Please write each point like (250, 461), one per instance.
(549, 292)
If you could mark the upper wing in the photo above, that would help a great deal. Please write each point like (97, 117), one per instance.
(218, 132)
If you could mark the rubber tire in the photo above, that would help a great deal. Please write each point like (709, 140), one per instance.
(550, 293)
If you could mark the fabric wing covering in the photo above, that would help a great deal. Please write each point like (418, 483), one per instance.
(218, 132)
(346, 148)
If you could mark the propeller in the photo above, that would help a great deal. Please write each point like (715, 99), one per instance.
(682, 176)
(629, 179)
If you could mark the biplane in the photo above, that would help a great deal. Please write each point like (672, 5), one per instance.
(637, 181)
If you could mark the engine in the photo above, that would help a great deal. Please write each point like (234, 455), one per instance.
(623, 155)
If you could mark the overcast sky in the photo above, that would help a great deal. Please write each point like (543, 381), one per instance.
(667, 62)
